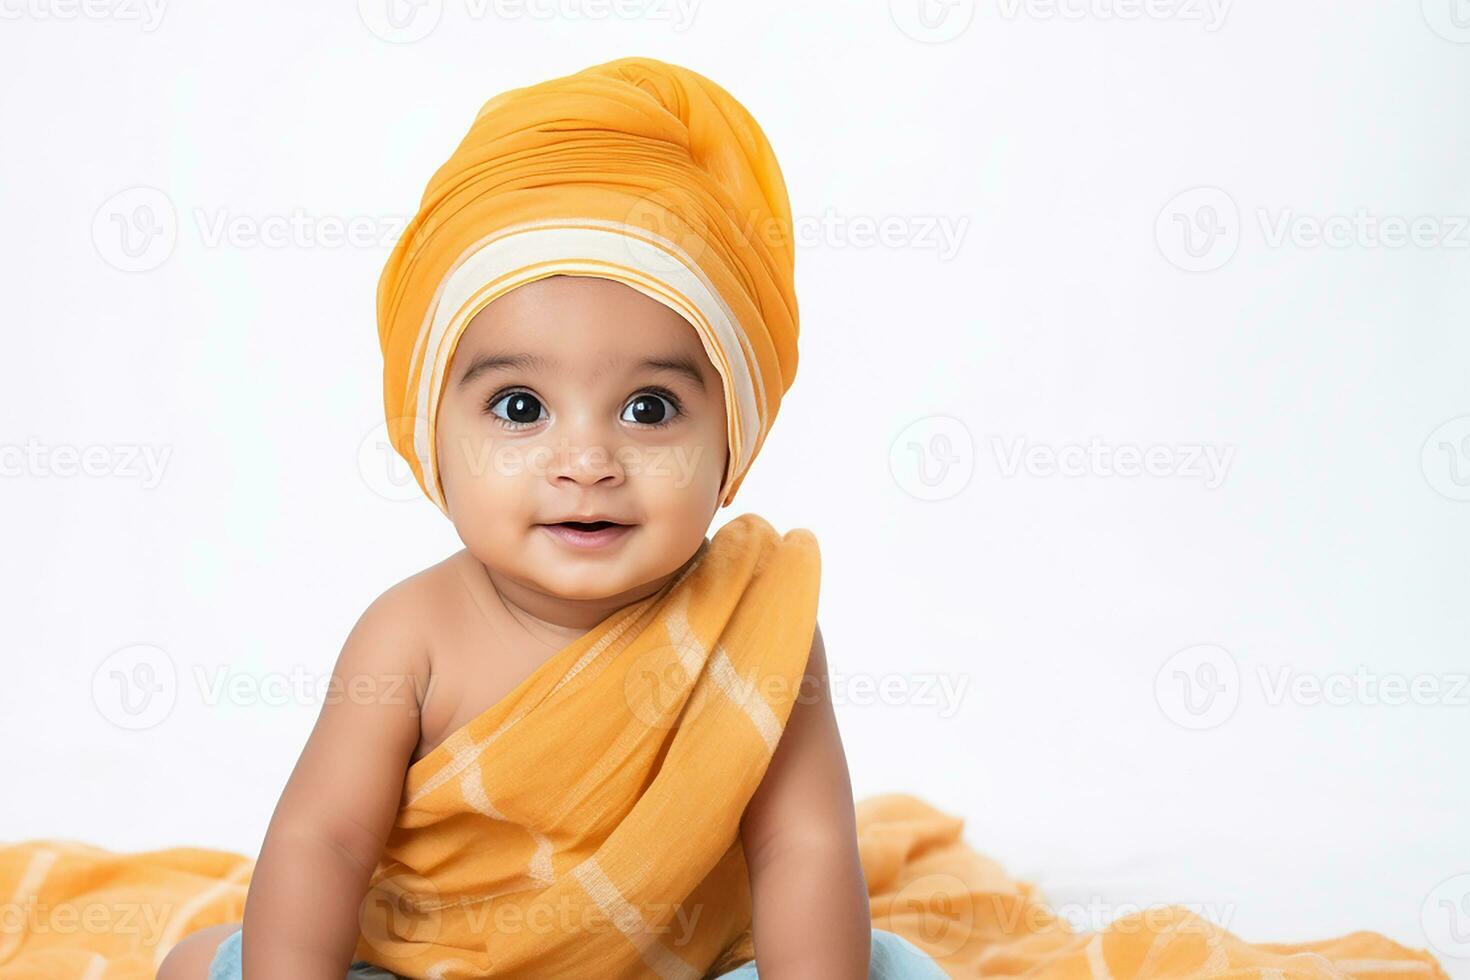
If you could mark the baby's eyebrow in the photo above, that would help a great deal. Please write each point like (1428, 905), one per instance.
(487, 361)
(484, 362)
(678, 364)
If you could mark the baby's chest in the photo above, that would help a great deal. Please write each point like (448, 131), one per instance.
(467, 676)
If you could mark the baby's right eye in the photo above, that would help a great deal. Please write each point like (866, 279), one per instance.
(523, 407)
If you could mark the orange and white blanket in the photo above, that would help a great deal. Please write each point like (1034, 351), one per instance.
(72, 910)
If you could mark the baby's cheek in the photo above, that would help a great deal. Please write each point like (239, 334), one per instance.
(688, 467)
(474, 456)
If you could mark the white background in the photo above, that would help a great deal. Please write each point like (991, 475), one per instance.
(1332, 378)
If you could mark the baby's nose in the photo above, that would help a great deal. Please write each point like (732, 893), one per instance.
(585, 453)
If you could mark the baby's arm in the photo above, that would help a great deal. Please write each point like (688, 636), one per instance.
(328, 830)
(799, 834)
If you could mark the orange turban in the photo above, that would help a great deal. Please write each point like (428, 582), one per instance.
(635, 170)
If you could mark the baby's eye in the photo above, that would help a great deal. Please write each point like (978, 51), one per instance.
(648, 409)
(522, 408)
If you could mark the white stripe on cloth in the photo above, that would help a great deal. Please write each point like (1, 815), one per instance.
(630, 923)
(186, 912)
(692, 654)
(31, 880)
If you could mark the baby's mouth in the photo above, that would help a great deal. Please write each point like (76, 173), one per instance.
(588, 534)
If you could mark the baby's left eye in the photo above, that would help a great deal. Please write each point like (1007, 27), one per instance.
(648, 409)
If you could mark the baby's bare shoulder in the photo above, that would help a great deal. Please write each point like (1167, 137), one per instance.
(395, 633)
(413, 602)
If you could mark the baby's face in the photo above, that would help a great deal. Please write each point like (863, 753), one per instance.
(579, 425)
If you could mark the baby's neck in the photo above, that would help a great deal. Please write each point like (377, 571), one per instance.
(557, 619)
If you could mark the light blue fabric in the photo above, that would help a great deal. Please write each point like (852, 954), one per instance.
(226, 964)
(893, 958)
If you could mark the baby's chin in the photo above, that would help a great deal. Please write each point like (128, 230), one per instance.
(568, 571)
(574, 584)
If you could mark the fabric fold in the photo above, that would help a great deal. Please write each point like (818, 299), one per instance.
(926, 883)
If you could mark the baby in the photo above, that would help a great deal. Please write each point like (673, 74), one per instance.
(594, 742)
